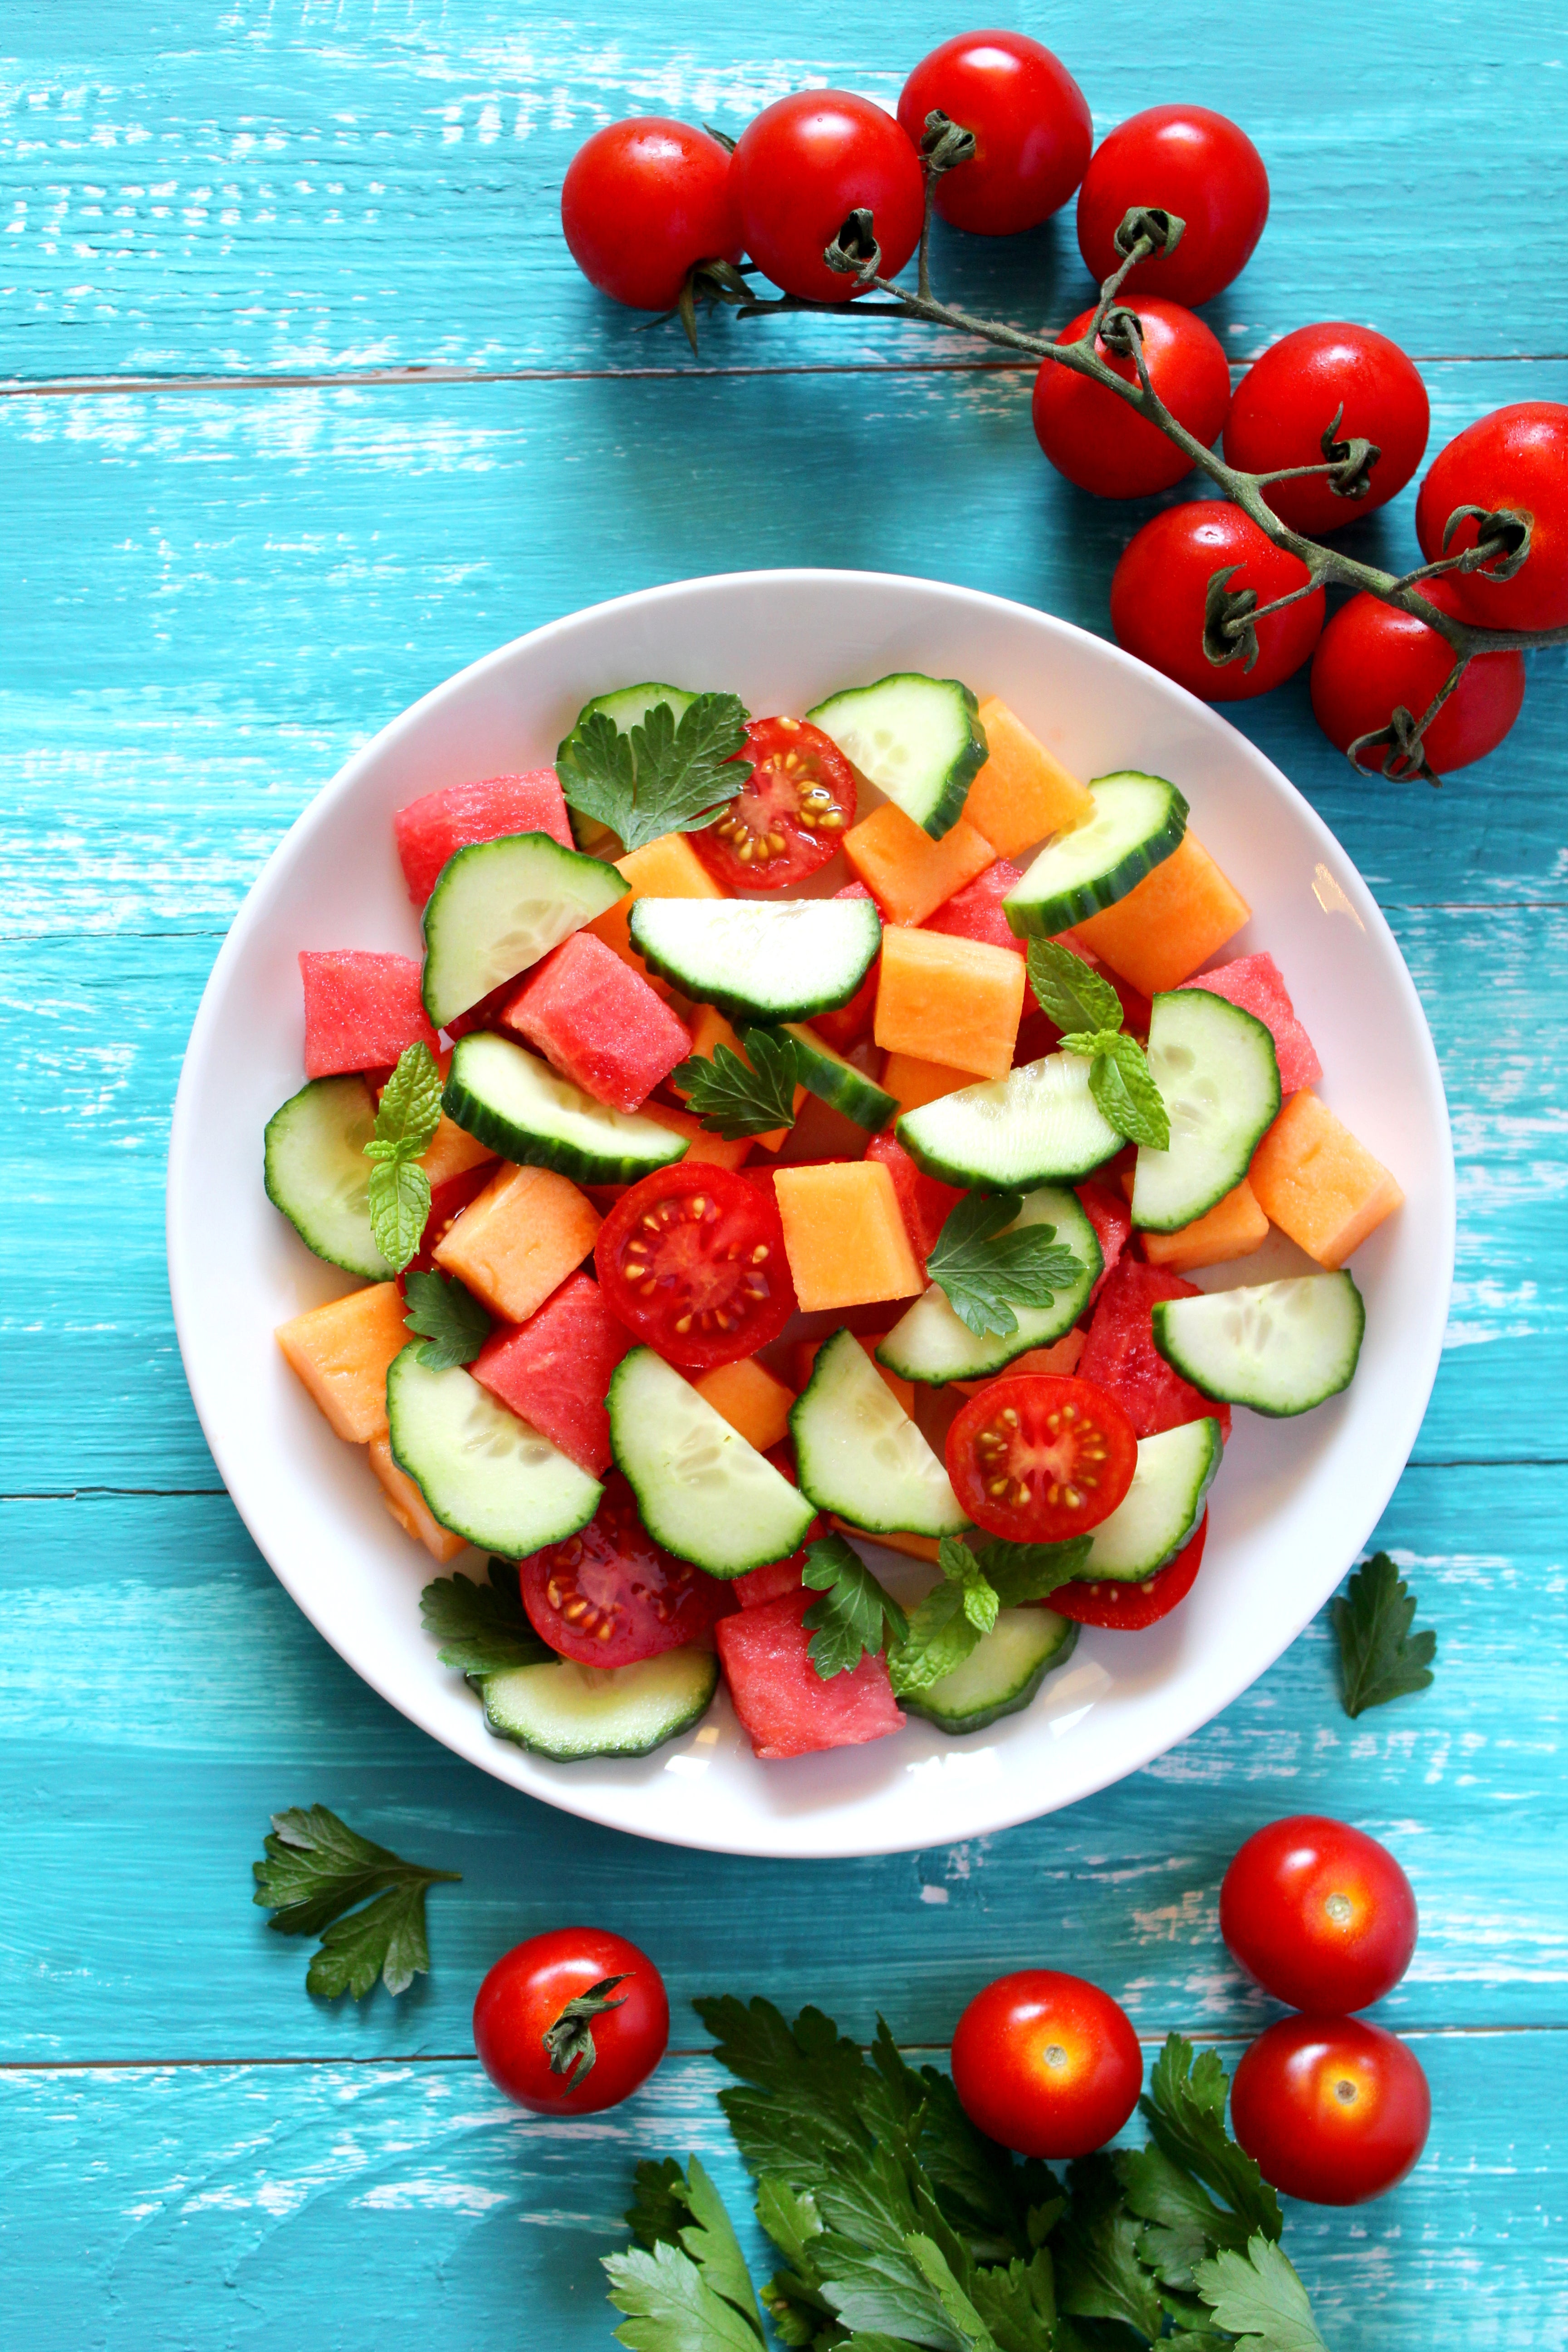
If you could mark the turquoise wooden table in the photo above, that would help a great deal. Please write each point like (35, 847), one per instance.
(305, 407)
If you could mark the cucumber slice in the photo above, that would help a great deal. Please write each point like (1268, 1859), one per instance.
(918, 739)
(568, 1712)
(1219, 1079)
(1138, 822)
(1039, 1125)
(756, 960)
(498, 906)
(1160, 1508)
(1280, 1346)
(833, 1080)
(485, 1473)
(317, 1173)
(629, 706)
(517, 1104)
(704, 1494)
(1000, 1675)
(931, 1344)
(859, 1454)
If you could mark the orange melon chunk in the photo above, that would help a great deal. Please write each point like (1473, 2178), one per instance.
(408, 1506)
(751, 1399)
(453, 1151)
(341, 1352)
(520, 1240)
(666, 868)
(1172, 922)
(1318, 1184)
(710, 1029)
(1022, 792)
(807, 1351)
(713, 1150)
(1061, 1358)
(912, 1082)
(949, 1000)
(1233, 1227)
(844, 1233)
(910, 874)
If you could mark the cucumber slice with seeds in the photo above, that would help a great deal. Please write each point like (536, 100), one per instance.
(860, 1455)
(932, 1344)
(918, 739)
(629, 706)
(759, 961)
(486, 1473)
(1039, 1125)
(839, 1083)
(498, 906)
(1280, 1346)
(1138, 823)
(1218, 1077)
(569, 1712)
(316, 1172)
(517, 1104)
(1160, 1509)
(1000, 1675)
(703, 1493)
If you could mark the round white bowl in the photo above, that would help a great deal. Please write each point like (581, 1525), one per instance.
(1296, 1500)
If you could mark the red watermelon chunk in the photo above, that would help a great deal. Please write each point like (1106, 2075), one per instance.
(1256, 983)
(783, 1702)
(975, 911)
(431, 830)
(555, 1369)
(599, 1022)
(852, 1022)
(362, 1011)
(926, 1204)
(1111, 1217)
(1121, 1358)
(760, 1585)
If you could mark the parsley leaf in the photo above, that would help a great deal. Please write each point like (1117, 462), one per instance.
(1098, 2273)
(854, 1618)
(1185, 2108)
(661, 777)
(482, 1628)
(670, 2307)
(1070, 992)
(406, 1118)
(948, 1625)
(986, 1271)
(317, 1869)
(1260, 2298)
(1380, 1657)
(735, 1097)
(450, 1319)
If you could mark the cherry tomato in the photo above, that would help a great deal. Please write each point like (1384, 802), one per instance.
(1046, 2063)
(803, 165)
(791, 814)
(1095, 439)
(1192, 163)
(1159, 588)
(692, 1260)
(1320, 1913)
(1036, 1457)
(1287, 400)
(522, 2000)
(1515, 457)
(1371, 657)
(1128, 1608)
(610, 1595)
(1031, 122)
(1330, 2108)
(642, 200)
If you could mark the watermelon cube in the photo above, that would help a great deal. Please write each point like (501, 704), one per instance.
(599, 1022)
(430, 830)
(760, 1585)
(852, 1022)
(1120, 1356)
(783, 1702)
(555, 1369)
(925, 1203)
(1112, 1216)
(362, 1011)
(975, 911)
(1256, 983)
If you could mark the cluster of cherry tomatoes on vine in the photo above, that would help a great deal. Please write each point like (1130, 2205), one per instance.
(649, 201)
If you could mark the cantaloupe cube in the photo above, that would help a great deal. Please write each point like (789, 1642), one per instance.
(453, 1151)
(807, 1352)
(341, 1352)
(844, 1233)
(949, 1000)
(708, 1029)
(917, 1546)
(1060, 1358)
(1022, 792)
(712, 1150)
(1233, 1227)
(912, 1082)
(408, 1506)
(520, 1239)
(1318, 1184)
(666, 868)
(751, 1399)
(1170, 922)
(910, 874)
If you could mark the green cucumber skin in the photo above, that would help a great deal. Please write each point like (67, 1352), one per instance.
(807, 1407)
(511, 1541)
(1171, 1352)
(439, 952)
(746, 1012)
(367, 1262)
(584, 1753)
(957, 1726)
(525, 1149)
(1096, 1572)
(970, 1175)
(971, 759)
(1197, 1204)
(994, 1351)
(1043, 918)
(840, 1085)
(649, 1487)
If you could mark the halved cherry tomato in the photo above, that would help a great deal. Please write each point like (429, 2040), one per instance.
(791, 814)
(610, 1595)
(1128, 1608)
(692, 1260)
(1046, 2063)
(1036, 1458)
(1319, 1914)
(1330, 2108)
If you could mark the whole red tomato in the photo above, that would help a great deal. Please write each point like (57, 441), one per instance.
(1371, 657)
(1159, 589)
(1096, 440)
(557, 2035)
(1516, 457)
(1330, 2108)
(1287, 401)
(644, 200)
(1046, 2063)
(803, 165)
(1320, 1913)
(1191, 163)
(1031, 122)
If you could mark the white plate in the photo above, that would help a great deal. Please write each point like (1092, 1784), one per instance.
(1296, 1500)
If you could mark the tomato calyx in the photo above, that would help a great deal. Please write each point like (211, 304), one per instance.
(1503, 541)
(569, 2041)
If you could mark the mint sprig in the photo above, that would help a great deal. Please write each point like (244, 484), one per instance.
(406, 1123)
(854, 1618)
(986, 1270)
(978, 1581)
(733, 1097)
(658, 776)
(1088, 1012)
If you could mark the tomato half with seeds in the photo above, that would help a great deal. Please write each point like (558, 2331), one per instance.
(791, 814)
(609, 1595)
(1039, 1457)
(692, 1261)
(1128, 1608)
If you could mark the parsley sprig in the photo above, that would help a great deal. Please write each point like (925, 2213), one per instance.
(732, 1097)
(1087, 1011)
(854, 1618)
(988, 1265)
(1380, 1657)
(977, 1581)
(316, 1873)
(481, 1629)
(406, 1123)
(660, 776)
(449, 1319)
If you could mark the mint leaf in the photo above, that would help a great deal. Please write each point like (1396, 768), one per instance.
(948, 1625)
(854, 1618)
(986, 1270)
(1022, 1572)
(661, 777)
(1261, 2299)
(481, 1628)
(409, 1111)
(399, 1209)
(450, 1319)
(1068, 991)
(1184, 2109)
(1380, 1658)
(735, 1097)
(1123, 1085)
(317, 1870)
